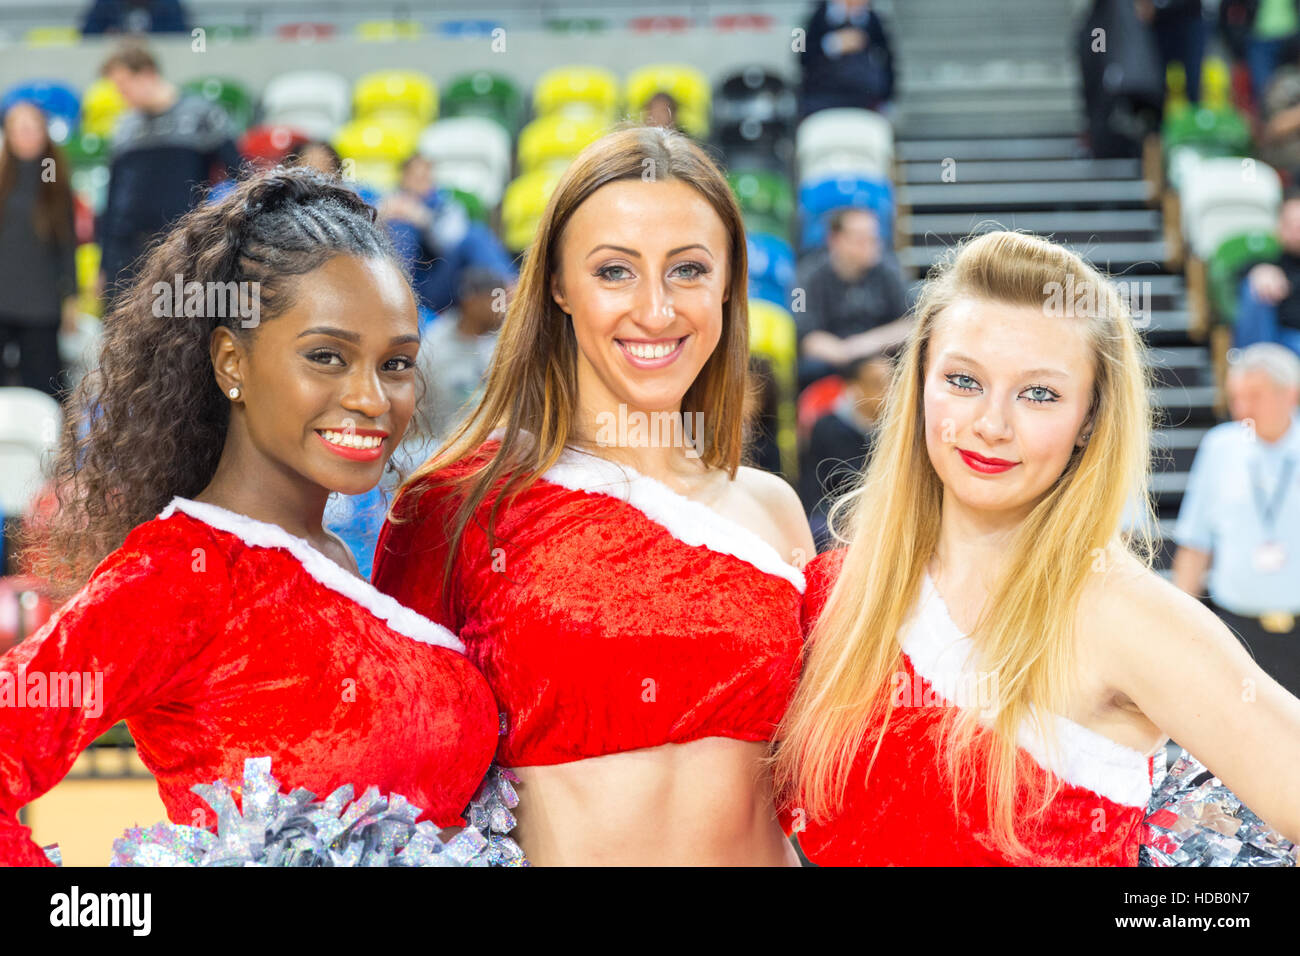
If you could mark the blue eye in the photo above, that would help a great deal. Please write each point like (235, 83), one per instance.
(698, 269)
(1051, 395)
(604, 272)
(964, 388)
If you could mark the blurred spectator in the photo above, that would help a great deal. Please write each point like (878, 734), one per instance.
(854, 300)
(456, 348)
(661, 110)
(840, 440)
(438, 237)
(1240, 516)
(1279, 115)
(38, 275)
(165, 146)
(135, 16)
(1269, 307)
(317, 154)
(1179, 28)
(762, 416)
(846, 59)
(1123, 76)
(1264, 33)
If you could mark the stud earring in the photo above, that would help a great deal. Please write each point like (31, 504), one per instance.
(234, 393)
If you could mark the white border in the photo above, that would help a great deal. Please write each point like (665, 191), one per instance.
(686, 520)
(261, 534)
(941, 654)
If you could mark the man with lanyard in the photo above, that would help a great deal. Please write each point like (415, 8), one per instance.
(1240, 516)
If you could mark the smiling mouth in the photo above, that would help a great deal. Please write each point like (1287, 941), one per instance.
(364, 445)
(659, 352)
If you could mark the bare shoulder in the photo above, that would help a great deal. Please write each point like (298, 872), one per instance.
(1127, 608)
(774, 496)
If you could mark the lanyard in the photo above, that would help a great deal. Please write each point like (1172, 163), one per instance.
(1268, 510)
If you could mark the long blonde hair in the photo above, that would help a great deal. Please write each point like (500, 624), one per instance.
(532, 381)
(892, 516)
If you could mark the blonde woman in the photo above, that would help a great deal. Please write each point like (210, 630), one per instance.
(989, 665)
(630, 590)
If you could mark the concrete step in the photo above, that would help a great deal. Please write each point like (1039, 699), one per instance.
(1001, 171)
(1017, 148)
(1076, 225)
(1080, 193)
(1109, 256)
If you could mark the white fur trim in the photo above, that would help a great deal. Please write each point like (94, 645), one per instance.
(261, 534)
(686, 520)
(945, 657)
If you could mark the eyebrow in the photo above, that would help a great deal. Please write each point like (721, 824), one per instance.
(355, 337)
(958, 357)
(636, 255)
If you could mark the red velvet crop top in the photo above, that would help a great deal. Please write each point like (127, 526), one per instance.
(612, 614)
(218, 638)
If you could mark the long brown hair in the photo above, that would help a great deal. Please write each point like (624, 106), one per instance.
(532, 382)
(52, 214)
(891, 522)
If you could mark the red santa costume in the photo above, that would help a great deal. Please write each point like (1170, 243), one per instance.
(610, 614)
(906, 817)
(218, 638)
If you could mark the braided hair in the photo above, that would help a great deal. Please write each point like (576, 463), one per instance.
(150, 422)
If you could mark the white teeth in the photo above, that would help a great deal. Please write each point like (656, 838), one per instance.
(643, 351)
(348, 440)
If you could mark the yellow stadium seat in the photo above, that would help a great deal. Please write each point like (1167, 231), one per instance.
(772, 336)
(389, 92)
(87, 259)
(521, 209)
(52, 36)
(373, 148)
(570, 89)
(687, 85)
(551, 142)
(1216, 84)
(101, 104)
(385, 30)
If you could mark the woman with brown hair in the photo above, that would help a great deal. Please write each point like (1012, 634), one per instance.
(38, 278)
(628, 587)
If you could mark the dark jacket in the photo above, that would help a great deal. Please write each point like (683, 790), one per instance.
(35, 275)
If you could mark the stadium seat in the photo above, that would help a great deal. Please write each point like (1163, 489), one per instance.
(468, 29)
(230, 95)
(60, 103)
(374, 147)
(469, 138)
(29, 431)
(1230, 262)
(52, 36)
(755, 93)
(1227, 196)
(660, 24)
(317, 102)
(268, 145)
(686, 84)
(771, 268)
(577, 26)
(521, 209)
(576, 90)
(772, 336)
(844, 139)
(305, 31)
(396, 93)
(384, 31)
(765, 194)
(756, 144)
(816, 400)
(484, 94)
(551, 142)
(101, 105)
(818, 199)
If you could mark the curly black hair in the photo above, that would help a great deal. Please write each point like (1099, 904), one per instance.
(149, 422)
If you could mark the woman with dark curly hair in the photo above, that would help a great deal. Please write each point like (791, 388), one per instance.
(263, 358)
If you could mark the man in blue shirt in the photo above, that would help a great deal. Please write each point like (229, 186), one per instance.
(1240, 515)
